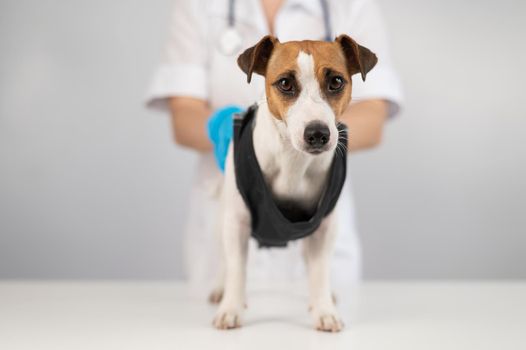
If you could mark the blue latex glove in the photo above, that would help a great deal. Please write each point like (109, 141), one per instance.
(220, 129)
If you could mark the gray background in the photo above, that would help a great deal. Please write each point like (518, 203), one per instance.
(91, 185)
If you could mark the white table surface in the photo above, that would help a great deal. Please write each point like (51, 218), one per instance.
(161, 315)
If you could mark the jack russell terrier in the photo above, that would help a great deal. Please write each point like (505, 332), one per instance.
(291, 154)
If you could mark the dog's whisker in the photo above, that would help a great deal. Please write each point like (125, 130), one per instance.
(340, 148)
(343, 147)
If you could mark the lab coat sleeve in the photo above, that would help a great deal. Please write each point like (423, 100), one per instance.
(366, 26)
(183, 68)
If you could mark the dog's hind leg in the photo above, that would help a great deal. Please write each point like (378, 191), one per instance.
(318, 247)
(216, 294)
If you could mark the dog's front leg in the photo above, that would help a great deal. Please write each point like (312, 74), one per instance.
(235, 245)
(235, 232)
(318, 247)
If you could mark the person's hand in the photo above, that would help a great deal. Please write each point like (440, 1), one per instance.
(220, 130)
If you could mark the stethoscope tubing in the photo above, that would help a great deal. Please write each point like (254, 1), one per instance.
(324, 7)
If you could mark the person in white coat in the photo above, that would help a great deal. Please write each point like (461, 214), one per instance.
(200, 84)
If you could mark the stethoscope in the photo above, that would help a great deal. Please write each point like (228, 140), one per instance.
(231, 41)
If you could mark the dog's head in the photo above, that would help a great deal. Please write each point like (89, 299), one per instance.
(308, 84)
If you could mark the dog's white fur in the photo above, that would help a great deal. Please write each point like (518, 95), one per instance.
(291, 173)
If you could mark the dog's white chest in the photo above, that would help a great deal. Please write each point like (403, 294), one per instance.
(291, 178)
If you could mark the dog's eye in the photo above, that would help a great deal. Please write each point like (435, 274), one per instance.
(286, 85)
(336, 84)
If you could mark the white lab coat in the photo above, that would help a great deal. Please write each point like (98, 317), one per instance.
(193, 66)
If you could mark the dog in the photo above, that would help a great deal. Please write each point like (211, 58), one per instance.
(307, 88)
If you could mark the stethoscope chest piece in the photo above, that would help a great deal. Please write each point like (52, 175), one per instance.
(230, 42)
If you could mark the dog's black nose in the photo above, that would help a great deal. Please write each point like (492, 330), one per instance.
(316, 135)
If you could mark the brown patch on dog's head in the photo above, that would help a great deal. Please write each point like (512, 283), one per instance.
(334, 64)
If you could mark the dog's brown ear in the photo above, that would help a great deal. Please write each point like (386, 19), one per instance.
(359, 59)
(255, 58)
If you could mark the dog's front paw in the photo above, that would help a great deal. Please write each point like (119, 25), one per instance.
(227, 318)
(327, 321)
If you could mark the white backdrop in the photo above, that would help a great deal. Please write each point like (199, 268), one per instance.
(91, 185)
